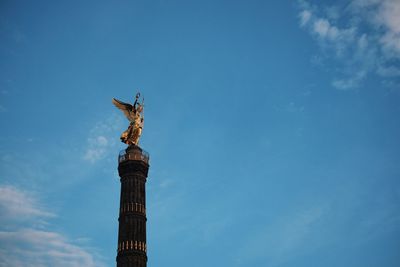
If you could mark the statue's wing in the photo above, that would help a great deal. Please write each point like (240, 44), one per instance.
(125, 107)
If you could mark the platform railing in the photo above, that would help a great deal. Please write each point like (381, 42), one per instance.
(133, 154)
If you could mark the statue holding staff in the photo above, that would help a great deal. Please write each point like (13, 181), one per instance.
(134, 114)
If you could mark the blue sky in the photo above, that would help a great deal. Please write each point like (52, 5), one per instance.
(272, 126)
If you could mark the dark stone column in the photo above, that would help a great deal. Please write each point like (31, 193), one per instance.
(132, 168)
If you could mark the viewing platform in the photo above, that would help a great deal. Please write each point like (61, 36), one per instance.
(133, 153)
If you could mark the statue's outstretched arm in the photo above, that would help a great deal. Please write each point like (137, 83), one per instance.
(136, 100)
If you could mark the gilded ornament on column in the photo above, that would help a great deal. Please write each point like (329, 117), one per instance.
(135, 114)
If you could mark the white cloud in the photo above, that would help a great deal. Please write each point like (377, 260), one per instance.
(103, 138)
(329, 35)
(97, 148)
(305, 16)
(17, 204)
(390, 71)
(349, 83)
(362, 39)
(323, 28)
(389, 17)
(30, 247)
(384, 15)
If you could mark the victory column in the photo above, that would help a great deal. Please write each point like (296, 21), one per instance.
(133, 166)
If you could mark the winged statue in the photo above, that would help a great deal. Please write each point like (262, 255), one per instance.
(134, 113)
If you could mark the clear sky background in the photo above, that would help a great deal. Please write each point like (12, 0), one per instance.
(272, 126)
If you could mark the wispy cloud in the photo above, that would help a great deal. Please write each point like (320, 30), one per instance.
(384, 14)
(363, 38)
(102, 138)
(17, 204)
(28, 246)
(97, 148)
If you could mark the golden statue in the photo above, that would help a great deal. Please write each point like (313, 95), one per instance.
(135, 116)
